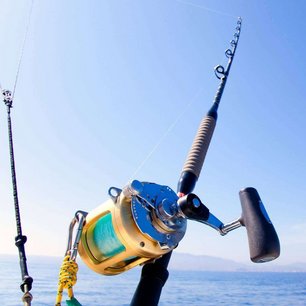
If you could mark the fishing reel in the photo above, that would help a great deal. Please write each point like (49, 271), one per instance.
(144, 221)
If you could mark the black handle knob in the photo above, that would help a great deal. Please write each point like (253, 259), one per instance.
(263, 240)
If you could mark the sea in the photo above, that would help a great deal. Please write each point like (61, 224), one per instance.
(182, 288)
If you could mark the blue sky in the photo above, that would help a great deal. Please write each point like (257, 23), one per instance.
(100, 84)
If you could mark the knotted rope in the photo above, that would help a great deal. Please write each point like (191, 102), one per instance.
(67, 279)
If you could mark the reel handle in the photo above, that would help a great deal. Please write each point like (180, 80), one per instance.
(263, 240)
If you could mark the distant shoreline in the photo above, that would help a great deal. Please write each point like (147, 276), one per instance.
(187, 262)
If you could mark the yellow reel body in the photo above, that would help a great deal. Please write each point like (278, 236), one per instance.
(133, 227)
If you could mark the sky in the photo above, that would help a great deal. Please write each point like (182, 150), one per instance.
(110, 88)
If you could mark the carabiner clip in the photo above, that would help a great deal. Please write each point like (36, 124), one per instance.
(73, 242)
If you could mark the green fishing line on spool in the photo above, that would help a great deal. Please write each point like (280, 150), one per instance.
(105, 238)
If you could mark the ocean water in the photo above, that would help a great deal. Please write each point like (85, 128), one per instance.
(182, 287)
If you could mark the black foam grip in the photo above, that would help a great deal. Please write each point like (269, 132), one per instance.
(153, 278)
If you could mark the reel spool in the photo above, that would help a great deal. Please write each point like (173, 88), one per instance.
(137, 225)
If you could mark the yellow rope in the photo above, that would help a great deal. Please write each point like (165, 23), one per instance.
(67, 279)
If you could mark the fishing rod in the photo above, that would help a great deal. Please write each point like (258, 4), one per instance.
(143, 222)
(267, 248)
(20, 239)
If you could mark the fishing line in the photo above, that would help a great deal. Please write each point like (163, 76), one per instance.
(22, 48)
(170, 128)
(222, 60)
(205, 8)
